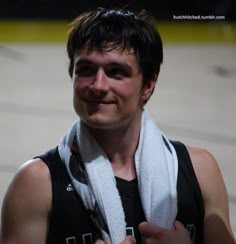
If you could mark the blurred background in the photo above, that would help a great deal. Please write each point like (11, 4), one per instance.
(63, 9)
(194, 101)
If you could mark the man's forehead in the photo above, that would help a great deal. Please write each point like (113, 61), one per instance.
(106, 46)
(106, 55)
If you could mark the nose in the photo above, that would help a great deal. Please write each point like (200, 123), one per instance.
(100, 83)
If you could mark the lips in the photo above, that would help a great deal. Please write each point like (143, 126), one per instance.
(99, 102)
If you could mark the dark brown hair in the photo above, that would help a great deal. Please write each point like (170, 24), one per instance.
(118, 28)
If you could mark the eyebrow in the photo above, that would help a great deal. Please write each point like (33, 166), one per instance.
(84, 61)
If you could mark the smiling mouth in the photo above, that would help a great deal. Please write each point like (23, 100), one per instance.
(99, 102)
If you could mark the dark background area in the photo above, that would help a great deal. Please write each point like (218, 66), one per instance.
(69, 9)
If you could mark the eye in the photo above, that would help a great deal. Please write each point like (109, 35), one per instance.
(85, 70)
(117, 73)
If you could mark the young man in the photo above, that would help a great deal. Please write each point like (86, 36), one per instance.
(114, 174)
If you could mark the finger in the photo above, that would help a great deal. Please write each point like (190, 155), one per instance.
(129, 240)
(150, 240)
(178, 225)
(151, 230)
(99, 241)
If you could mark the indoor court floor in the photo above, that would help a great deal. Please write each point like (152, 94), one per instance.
(194, 102)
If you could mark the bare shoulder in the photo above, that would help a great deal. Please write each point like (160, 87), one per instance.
(31, 182)
(207, 171)
(216, 223)
(204, 163)
(201, 157)
(26, 205)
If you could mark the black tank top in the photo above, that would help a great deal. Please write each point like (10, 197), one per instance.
(69, 222)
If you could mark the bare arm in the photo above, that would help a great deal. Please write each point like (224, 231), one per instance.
(26, 205)
(217, 228)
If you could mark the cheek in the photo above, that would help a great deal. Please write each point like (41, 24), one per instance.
(130, 95)
(75, 100)
(76, 94)
(76, 84)
(78, 105)
(79, 87)
(77, 91)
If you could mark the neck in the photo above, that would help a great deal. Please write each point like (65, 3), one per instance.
(120, 145)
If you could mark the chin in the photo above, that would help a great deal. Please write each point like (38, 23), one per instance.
(99, 123)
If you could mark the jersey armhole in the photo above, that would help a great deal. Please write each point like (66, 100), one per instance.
(185, 164)
(49, 158)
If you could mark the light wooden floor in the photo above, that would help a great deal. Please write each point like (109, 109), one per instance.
(194, 101)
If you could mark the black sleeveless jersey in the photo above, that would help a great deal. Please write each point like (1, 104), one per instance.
(69, 222)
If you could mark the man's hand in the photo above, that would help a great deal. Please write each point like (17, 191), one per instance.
(127, 240)
(154, 234)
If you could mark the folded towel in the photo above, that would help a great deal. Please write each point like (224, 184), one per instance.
(93, 178)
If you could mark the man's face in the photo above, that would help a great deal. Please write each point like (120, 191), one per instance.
(107, 86)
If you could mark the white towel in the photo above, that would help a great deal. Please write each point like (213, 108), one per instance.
(93, 179)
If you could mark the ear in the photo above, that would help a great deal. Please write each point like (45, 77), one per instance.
(148, 89)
